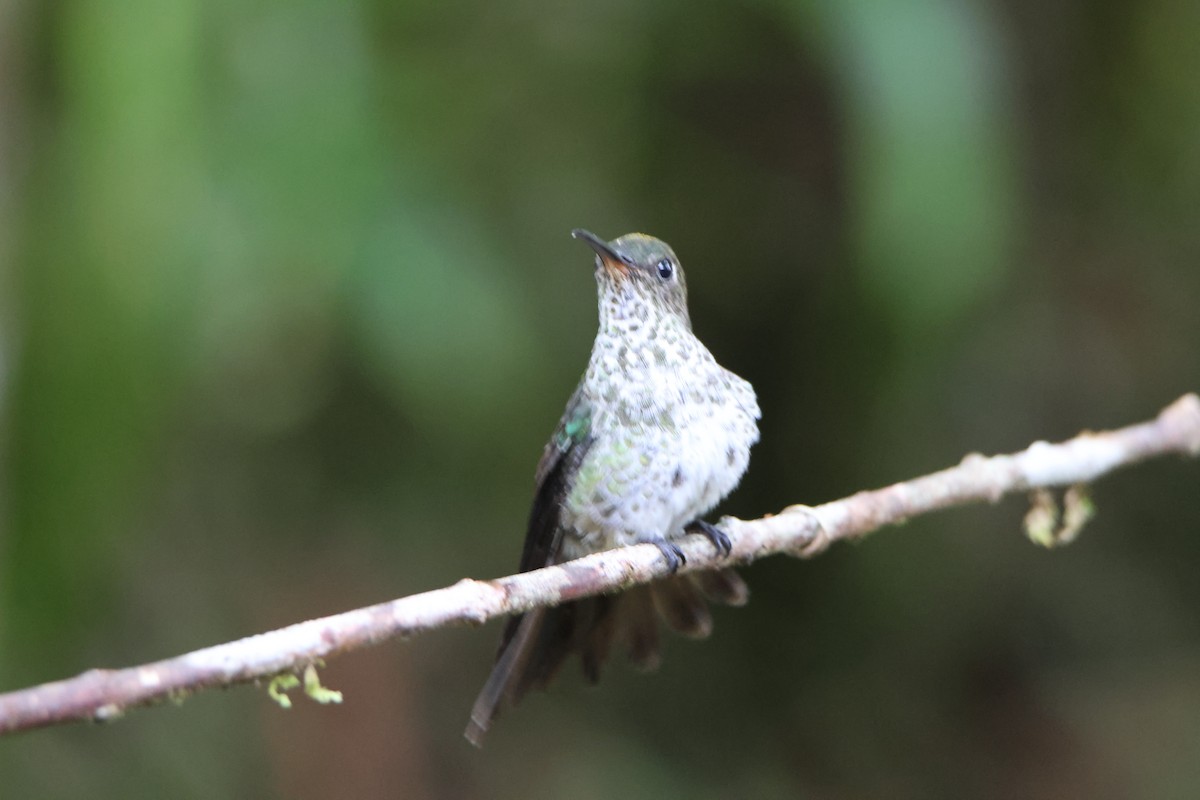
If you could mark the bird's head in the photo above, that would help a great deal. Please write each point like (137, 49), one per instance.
(637, 275)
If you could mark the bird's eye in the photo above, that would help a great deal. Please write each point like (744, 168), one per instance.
(665, 269)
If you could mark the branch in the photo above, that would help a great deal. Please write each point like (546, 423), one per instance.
(799, 530)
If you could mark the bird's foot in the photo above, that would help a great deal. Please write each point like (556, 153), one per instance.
(673, 555)
(711, 532)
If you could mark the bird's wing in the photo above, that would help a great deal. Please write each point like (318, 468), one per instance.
(534, 644)
(560, 460)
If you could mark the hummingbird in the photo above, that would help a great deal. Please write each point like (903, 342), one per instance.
(655, 435)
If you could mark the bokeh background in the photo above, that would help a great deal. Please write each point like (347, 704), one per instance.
(288, 306)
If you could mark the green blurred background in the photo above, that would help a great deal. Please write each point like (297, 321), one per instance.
(288, 306)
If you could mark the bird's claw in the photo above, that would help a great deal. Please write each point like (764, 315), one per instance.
(673, 555)
(718, 537)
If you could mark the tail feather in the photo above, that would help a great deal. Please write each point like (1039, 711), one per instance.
(638, 623)
(594, 633)
(503, 684)
(723, 586)
(682, 607)
(536, 644)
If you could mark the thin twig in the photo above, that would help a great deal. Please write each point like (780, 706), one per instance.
(798, 530)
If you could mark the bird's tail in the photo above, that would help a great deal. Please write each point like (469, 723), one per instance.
(504, 684)
(536, 644)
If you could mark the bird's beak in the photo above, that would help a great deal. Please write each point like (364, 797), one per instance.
(610, 259)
